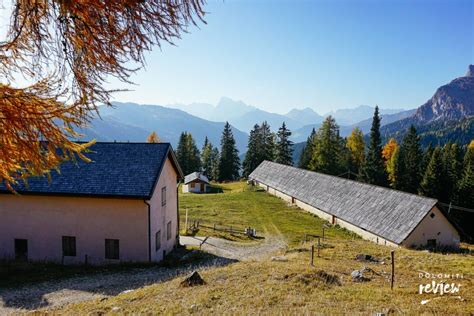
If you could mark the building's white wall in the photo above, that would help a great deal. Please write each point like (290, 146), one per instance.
(43, 220)
(438, 228)
(187, 188)
(161, 215)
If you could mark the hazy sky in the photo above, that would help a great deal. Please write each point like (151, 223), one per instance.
(323, 54)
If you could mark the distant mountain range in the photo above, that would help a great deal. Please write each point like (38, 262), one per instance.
(447, 116)
(134, 122)
(300, 121)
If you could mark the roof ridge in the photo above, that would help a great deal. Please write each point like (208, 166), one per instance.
(355, 181)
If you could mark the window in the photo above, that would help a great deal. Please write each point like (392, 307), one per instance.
(158, 240)
(431, 243)
(192, 185)
(21, 249)
(432, 215)
(69, 246)
(112, 249)
(163, 196)
(168, 231)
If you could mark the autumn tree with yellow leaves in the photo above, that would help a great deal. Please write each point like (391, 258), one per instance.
(390, 154)
(66, 50)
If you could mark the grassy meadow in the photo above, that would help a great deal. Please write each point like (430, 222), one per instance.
(294, 286)
(241, 205)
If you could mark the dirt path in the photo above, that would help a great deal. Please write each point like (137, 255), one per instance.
(236, 250)
(54, 293)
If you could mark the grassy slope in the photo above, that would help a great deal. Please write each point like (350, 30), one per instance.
(271, 287)
(243, 206)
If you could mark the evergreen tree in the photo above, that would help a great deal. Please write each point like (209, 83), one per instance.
(452, 170)
(465, 186)
(408, 171)
(284, 146)
(214, 173)
(374, 168)
(188, 154)
(328, 148)
(229, 162)
(356, 145)
(432, 183)
(427, 157)
(206, 158)
(252, 156)
(266, 143)
(307, 151)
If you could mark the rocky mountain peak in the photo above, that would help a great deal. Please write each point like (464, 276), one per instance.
(470, 71)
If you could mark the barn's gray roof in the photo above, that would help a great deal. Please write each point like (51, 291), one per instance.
(388, 213)
(196, 176)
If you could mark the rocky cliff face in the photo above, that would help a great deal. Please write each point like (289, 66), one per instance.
(450, 102)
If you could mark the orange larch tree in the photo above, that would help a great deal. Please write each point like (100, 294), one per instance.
(66, 50)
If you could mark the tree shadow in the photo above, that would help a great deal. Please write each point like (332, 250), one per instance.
(51, 284)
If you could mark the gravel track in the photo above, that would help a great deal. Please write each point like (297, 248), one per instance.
(55, 293)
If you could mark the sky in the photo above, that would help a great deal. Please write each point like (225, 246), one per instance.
(283, 54)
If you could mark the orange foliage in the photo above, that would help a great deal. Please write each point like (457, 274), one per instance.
(67, 49)
(389, 149)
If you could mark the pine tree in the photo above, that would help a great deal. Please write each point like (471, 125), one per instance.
(465, 186)
(356, 145)
(284, 146)
(432, 183)
(374, 169)
(408, 172)
(206, 158)
(452, 170)
(188, 154)
(153, 138)
(252, 158)
(214, 174)
(307, 151)
(388, 152)
(266, 141)
(328, 148)
(229, 163)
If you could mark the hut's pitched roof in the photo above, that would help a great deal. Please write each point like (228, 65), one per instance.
(122, 170)
(388, 213)
(196, 176)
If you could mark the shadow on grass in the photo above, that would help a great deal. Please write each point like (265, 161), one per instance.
(32, 285)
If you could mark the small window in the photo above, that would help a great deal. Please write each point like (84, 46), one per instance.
(168, 231)
(192, 185)
(431, 243)
(21, 249)
(432, 215)
(163, 196)
(112, 249)
(158, 240)
(69, 246)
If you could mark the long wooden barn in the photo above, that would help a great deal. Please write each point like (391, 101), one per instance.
(379, 214)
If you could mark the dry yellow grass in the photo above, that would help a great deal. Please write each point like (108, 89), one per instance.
(294, 287)
(272, 287)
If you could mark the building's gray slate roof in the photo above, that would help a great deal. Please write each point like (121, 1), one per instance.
(195, 176)
(125, 170)
(388, 213)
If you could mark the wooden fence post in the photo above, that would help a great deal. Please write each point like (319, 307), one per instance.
(186, 222)
(312, 255)
(319, 245)
(392, 276)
